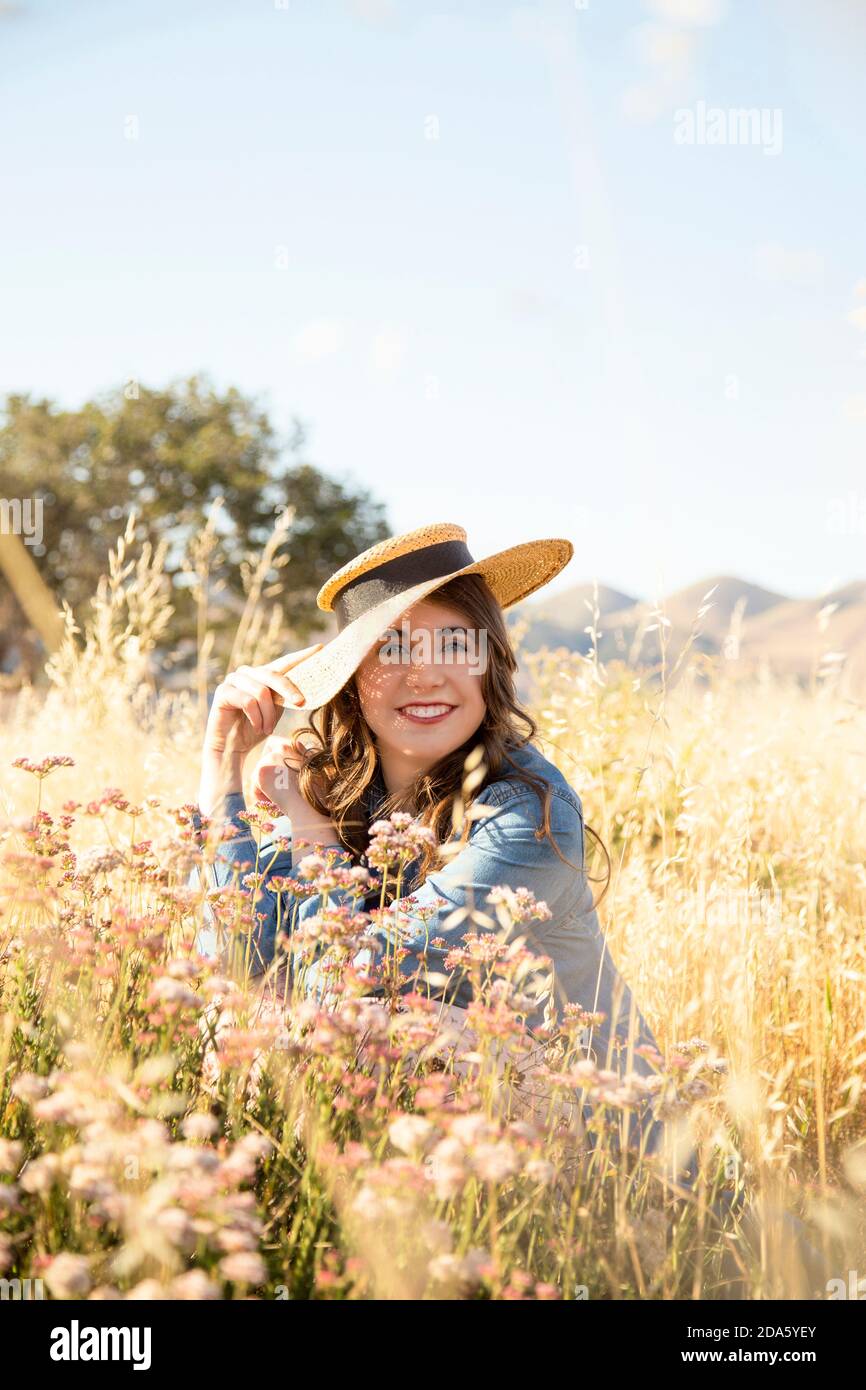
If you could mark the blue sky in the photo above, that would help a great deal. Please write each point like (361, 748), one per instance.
(463, 244)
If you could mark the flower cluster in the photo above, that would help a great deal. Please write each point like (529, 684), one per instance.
(420, 1149)
(519, 904)
(398, 841)
(324, 874)
(162, 1201)
(42, 769)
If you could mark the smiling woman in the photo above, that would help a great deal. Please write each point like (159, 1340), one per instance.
(421, 710)
(399, 737)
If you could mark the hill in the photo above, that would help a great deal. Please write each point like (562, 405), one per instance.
(799, 636)
(755, 625)
(559, 620)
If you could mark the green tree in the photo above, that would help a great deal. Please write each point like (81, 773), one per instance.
(169, 453)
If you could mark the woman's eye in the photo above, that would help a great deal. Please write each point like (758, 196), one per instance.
(393, 650)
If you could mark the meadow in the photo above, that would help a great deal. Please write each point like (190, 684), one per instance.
(168, 1132)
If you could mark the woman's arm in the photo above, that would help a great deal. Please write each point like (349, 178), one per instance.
(245, 710)
(276, 781)
(505, 851)
(502, 851)
(273, 857)
(233, 859)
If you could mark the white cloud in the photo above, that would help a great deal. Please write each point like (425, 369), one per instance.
(318, 339)
(858, 317)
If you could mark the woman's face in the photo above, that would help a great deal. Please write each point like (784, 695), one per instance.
(420, 686)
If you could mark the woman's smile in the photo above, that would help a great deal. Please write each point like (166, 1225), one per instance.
(426, 712)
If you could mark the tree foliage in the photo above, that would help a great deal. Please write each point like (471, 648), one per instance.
(169, 454)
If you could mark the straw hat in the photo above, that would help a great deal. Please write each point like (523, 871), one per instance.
(369, 594)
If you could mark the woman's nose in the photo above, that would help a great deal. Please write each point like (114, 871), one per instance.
(422, 675)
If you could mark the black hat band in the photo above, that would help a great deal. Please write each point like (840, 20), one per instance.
(394, 576)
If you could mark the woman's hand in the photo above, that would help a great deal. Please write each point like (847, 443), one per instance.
(245, 711)
(276, 774)
(276, 779)
(248, 704)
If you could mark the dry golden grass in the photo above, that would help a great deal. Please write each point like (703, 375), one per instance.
(734, 812)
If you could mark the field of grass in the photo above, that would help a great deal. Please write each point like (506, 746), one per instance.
(166, 1132)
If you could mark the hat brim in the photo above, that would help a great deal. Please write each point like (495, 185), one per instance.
(512, 575)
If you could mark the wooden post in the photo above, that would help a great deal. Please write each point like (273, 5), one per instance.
(30, 589)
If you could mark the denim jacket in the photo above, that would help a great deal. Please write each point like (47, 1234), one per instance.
(502, 850)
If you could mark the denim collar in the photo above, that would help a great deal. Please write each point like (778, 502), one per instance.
(375, 794)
